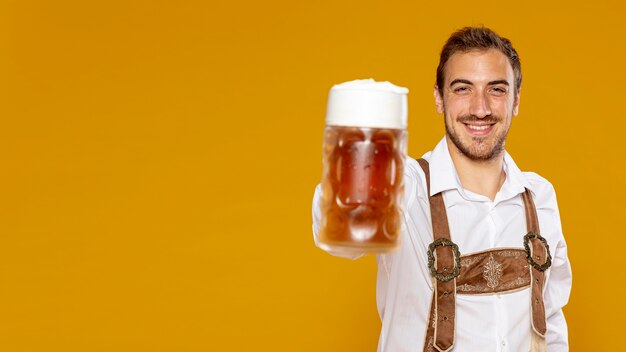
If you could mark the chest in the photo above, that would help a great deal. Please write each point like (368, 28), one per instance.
(477, 226)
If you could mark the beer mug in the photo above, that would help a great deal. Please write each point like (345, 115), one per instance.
(365, 143)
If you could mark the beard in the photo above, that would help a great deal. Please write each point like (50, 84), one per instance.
(480, 148)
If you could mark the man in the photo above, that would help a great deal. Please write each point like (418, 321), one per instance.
(511, 303)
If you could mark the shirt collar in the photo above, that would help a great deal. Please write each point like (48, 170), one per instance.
(443, 174)
(515, 182)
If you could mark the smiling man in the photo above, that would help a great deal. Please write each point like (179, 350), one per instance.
(483, 263)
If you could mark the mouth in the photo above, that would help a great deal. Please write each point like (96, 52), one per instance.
(479, 130)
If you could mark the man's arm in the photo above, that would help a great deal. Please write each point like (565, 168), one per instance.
(556, 296)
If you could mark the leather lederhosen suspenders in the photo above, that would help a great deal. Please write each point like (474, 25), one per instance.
(493, 271)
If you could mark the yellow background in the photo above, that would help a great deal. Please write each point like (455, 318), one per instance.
(158, 160)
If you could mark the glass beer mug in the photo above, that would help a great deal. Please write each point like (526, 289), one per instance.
(365, 143)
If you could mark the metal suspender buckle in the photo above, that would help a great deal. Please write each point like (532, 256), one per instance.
(445, 276)
(548, 262)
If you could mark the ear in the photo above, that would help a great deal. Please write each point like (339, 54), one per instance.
(438, 100)
(516, 103)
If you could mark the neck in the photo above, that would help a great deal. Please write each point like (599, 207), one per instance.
(484, 177)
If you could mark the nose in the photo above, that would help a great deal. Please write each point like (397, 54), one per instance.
(479, 106)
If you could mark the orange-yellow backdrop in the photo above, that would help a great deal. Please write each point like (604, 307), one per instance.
(158, 159)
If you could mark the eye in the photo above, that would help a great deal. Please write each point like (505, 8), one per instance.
(461, 89)
(498, 91)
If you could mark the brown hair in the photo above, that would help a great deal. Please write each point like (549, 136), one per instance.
(478, 38)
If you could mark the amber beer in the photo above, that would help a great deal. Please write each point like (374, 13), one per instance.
(363, 159)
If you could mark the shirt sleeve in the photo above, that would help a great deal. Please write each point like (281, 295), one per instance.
(556, 297)
(317, 220)
(559, 282)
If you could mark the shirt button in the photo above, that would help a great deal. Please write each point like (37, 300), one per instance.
(499, 296)
(503, 343)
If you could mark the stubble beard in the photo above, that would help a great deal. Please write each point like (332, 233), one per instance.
(482, 148)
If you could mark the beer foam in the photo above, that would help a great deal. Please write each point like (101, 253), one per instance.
(367, 103)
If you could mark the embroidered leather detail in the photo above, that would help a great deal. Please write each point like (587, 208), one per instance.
(467, 288)
(510, 253)
(492, 272)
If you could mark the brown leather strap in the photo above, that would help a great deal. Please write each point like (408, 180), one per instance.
(539, 253)
(424, 165)
(443, 307)
(532, 224)
(493, 271)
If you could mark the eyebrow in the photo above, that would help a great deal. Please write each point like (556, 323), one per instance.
(464, 81)
(500, 81)
(458, 80)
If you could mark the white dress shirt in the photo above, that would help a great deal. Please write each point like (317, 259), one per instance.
(483, 322)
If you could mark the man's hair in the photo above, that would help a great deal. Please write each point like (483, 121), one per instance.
(478, 38)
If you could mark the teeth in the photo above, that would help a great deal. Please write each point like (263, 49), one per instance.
(479, 128)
